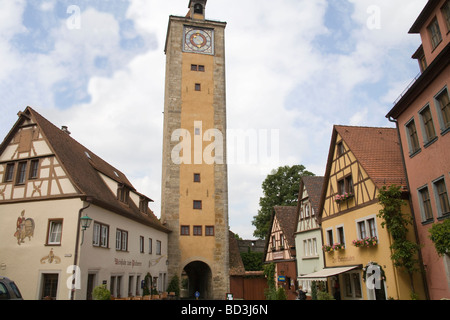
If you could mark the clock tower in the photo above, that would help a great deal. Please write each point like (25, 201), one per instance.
(194, 200)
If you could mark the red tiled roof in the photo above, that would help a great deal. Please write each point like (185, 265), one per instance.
(378, 151)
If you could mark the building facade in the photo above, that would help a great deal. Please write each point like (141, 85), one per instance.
(361, 160)
(194, 173)
(422, 116)
(48, 181)
(308, 235)
(280, 249)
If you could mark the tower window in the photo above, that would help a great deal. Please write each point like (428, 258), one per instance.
(198, 87)
(196, 67)
(198, 9)
(197, 204)
(196, 177)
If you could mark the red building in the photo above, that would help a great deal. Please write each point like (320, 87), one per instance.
(422, 115)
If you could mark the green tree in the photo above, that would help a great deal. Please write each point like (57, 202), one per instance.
(280, 188)
(404, 252)
(440, 235)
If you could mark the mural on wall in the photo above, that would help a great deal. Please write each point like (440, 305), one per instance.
(51, 258)
(24, 228)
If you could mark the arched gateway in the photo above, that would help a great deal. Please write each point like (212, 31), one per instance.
(199, 279)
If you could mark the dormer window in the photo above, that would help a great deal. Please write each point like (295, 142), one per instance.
(123, 193)
(143, 205)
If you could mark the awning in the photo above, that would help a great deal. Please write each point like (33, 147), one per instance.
(323, 274)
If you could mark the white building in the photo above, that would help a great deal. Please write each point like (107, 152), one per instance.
(48, 181)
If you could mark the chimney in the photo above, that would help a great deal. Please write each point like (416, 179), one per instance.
(65, 129)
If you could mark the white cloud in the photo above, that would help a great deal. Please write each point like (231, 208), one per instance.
(279, 77)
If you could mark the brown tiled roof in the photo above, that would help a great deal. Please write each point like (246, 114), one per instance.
(236, 265)
(286, 216)
(82, 167)
(313, 186)
(378, 151)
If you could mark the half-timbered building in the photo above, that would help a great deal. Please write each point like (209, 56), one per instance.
(361, 161)
(49, 183)
(280, 248)
(308, 238)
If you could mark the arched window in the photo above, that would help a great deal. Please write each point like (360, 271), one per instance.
(198, 8)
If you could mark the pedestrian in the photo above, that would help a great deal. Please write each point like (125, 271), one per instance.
(301, 294)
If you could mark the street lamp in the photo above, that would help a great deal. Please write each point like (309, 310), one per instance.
(85, 224)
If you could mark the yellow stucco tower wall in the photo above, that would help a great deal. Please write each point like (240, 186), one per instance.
(194, 175)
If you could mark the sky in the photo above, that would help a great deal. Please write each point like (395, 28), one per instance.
(294, 68)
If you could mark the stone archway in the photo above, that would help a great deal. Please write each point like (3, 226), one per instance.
(200, 279)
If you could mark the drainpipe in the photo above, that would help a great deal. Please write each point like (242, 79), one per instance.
(77, 241)
(416, 233)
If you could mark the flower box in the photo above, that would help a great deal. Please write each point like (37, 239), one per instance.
(334, 247)
(343, 197)
(366, 242)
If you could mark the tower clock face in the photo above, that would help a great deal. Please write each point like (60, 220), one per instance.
(198, 40)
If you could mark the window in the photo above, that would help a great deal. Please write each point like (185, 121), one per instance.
(34, 169)
(198, 87)
(195, 67)
(345, 185)
(196, 177)
(21, 174)
(413, 140)
(150, 245)
(54, 232)
(330, 240)
(310, 247)
(340, 149)
(197, 204)
(340, 235)
(123, 193)
(101, 235)
(366, 228)
(197, 230)
(209, 231)
(441, 195)
(352, 285)
(362, 230)
(9, 175)
(143, 205)
(158, 247)
(49, 286)
(141, 244)
(184, 230)
(425, 204)
(435, 33)
(281, 241)
(443, 108)
(198, 9)
(121, 240)
(274, 242)
(427, 125)
(446, 13)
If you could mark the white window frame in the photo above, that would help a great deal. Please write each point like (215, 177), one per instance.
(54, 233)
(366, 226)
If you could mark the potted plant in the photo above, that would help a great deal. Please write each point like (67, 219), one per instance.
(343, 197)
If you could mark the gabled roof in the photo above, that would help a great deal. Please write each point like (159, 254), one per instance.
(82, 167)
(285, 216)
(377, 150)
(313, 186)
